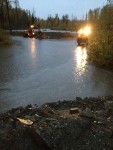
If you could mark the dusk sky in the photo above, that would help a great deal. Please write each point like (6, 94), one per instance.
(74, 8)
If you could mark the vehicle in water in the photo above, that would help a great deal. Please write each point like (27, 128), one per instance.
(32, 34)
(82, 36)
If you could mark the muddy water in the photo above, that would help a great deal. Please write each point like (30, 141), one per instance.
(39, 71)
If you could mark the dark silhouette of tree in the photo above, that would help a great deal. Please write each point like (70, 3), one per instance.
(8, 17)
(1, 13)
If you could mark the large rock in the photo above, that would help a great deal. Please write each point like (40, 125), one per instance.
(87, 113)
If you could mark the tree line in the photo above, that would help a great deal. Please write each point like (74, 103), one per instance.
(13, 17)
(63, 23)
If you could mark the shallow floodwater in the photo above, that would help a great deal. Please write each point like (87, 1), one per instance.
(38, 71)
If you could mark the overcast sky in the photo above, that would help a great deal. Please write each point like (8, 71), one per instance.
(74, 8)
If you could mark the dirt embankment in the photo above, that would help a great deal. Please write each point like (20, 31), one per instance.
(81, 124)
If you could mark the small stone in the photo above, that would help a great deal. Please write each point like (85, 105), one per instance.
(51, 112)
(74, 110)
(95, 121)
(99, 113)
(100, 123)
(27, 117)
(24, 121)
(30, 108)
(37, 116)
(87, 113)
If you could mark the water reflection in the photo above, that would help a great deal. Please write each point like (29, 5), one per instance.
(37, 72)
(33, 47)
(80, 59)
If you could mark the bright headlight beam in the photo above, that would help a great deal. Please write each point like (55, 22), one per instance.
(87, 31)
(80, 31)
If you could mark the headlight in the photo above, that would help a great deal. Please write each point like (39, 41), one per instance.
(32, 26)
(87, 31)
(80, 31)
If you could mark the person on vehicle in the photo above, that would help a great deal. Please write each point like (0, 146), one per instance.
(39, 31)
(38, 27)
(30, 31)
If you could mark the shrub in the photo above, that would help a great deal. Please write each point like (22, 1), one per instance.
(101, 49)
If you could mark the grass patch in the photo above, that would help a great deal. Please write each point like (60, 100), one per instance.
(4, 37)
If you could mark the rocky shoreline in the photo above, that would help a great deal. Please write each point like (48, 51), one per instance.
(80, 124)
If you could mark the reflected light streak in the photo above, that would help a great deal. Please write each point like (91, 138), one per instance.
(33, 47)
(80, 59)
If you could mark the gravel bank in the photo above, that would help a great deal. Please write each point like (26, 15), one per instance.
(80, 124)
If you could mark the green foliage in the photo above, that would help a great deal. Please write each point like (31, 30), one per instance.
(13, 17)
(20, 20)
(100, 52)
(64, 23)
(101, 42)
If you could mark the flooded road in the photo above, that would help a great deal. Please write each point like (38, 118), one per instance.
(38, 71)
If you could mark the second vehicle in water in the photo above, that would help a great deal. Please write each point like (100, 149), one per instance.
(82, 36)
